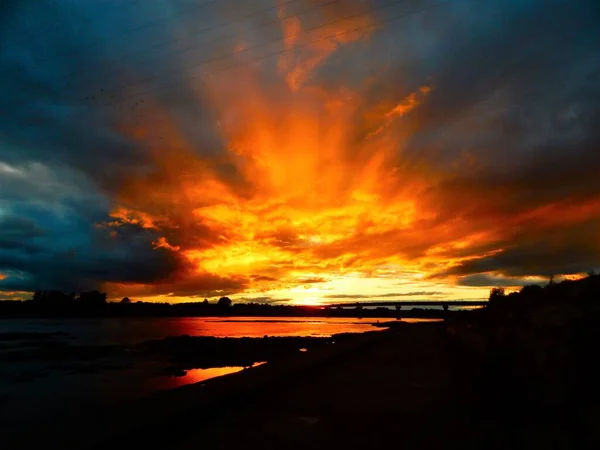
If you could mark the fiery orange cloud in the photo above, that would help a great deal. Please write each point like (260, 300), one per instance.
(399, 110)
(161, 242)
(310, 192)
(122, 215)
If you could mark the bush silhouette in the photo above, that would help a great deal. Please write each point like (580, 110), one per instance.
(496, 294)
(224, 302)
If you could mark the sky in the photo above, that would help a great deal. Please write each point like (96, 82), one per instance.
(297, 151)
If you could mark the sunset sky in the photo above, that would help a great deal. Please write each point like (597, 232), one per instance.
(304, 151)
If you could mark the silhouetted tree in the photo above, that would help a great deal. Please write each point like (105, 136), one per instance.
(52, 297)
(359, 311)
(224, 302)
(205, 302)
(497, 293)
(126, 301)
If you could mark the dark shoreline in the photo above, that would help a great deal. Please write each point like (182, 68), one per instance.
(173, 353)
(462, 378)
(27, 357)
(285, 364)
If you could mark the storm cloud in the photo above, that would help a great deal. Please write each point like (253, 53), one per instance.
(144, 146)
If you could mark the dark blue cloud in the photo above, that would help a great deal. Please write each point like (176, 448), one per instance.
(51, 239)
(61, 157)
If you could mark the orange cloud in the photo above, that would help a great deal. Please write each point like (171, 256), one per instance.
(161, 242)
(305, 187)
(404, 107)
(308, 45)
(124, 216)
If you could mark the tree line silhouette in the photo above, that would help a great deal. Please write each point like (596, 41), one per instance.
(528, 358)
(53, 303)
(94, 304)
(584, 289)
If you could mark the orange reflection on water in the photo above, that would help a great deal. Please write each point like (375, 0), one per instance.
(127, 331)
(236, 327)
(198, 375)
(410, 320)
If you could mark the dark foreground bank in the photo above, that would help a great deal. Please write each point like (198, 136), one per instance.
(504, 378)
(48, 380)
(421, 386)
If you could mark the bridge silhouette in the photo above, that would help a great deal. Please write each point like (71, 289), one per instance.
(442, 303)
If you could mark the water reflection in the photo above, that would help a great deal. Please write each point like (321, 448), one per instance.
(421, 320)
(197, 375)
(115, 331)
(57, 393)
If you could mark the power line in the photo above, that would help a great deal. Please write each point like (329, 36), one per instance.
(124, 33)
(56, 23)
(221, 25)
(213, 28)
(389, 19)
(263, 44)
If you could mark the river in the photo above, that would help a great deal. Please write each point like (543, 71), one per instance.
(116, 331)
(32, 389)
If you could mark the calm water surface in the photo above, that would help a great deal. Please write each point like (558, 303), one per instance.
(111, 331)
(32, 390)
